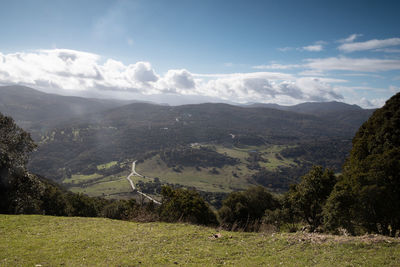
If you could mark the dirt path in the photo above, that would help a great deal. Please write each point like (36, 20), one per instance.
(134, 173)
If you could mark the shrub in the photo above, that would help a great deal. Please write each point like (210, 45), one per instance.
(186, 206)
(245, 209)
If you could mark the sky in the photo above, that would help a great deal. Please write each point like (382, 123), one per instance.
(186, 51)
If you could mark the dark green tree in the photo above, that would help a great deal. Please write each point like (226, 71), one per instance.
(337, 210)
(85, 206)
(15, 146)
(308, 198)
(120, 209)
(54, 201)
(245, 209)
(19, 192)
(185, 205)
(370, 188)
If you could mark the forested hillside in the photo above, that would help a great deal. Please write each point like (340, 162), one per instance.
(262, 144)
(142, 131)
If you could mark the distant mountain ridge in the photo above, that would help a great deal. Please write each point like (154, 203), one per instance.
(334, 111)
(38, 112)
(27, 104)
(313, 108)
(33, 109)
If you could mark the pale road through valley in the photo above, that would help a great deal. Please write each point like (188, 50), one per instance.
(134, 173)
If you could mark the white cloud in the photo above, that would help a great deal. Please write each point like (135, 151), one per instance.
(285, 49)
(311, 73)
(256, 87)
(369, 45)
(179, 79)
(76, 71)
(350, 39)
(364, 75)
(361, 88)
(353, 64)
(142, 72)
(388, 50)
(317, 66)
(313, 48)
(265, 75)
(372, 103)
(277, 66)
(316, 47)
(330, 80)
(73, 70)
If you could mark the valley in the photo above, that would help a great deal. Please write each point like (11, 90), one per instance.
(214, 148)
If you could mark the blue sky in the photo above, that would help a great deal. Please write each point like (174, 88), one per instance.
(283, 52)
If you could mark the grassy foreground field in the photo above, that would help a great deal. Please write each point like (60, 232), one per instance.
(53, 241)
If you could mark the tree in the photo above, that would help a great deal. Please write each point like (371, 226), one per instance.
(337, 211)
(185, 205)
(245, 209)
(15, 145)
(371, 175)
(309, 196)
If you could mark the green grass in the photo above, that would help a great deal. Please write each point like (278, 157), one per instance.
(108, 186)
(225, 180)
(55, 241)
(202, 180)
(80, 178)
(269, 153)
(233, 152)
(116, 185)
(106, 165)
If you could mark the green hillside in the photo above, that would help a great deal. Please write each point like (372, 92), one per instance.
(60, 241)
(226, 178)
(203, 176)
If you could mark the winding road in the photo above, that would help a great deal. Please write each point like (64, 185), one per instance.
(134, 173)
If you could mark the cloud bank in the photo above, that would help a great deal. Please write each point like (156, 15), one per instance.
(77, 71)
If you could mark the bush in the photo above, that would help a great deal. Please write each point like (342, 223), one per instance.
(120, 209)
(244, 210)
(186, 206)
